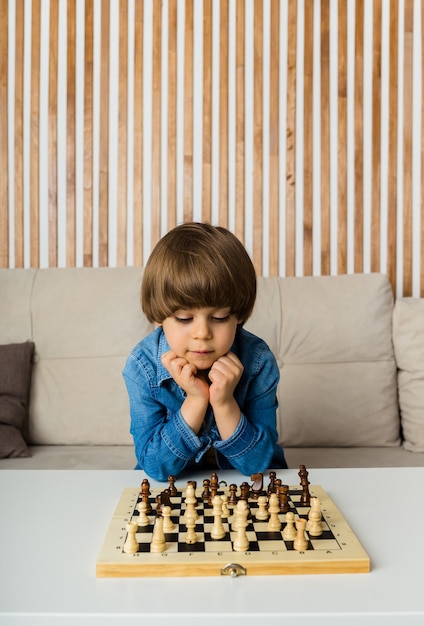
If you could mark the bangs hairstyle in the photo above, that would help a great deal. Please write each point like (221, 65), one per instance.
(194, 266)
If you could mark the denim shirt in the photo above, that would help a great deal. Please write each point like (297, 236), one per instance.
(165, 444)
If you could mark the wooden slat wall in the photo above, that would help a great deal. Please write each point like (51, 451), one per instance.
(295, 123)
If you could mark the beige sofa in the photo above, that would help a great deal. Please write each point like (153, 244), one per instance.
(352, 366)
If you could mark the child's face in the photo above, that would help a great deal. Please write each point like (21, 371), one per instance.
(201, 336)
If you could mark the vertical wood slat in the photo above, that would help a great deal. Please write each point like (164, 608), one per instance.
(342, 138)
(4, 161)
(240, 122)
(34, 136)
(325, 139)
(71, 138)
(376, 139)
(188, 113)
(223, 115)
(207, 112)
(392, 147)
(122, 133)
(258, 136)
(291, 140)
(172, 114)
(308, 138)
(138, 133)
(104, 136)
(88, 133)
(156, 121)
(359, 138)
(52, 130)
(19, 135)
(274, 147)
(407, 146)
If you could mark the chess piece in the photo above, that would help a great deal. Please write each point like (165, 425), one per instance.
(271, 485)
(158, 543)
(241, 511)
(241, 541)
(145, 493)
(283, 496)
(206, 489)
(142, 520)
(218, 530)
(232, 498)
(289, 532)
(191, 535)
(262, 512)
(274, 523)
(173, 491)
(244, 491)
(190, 502)
(256, 489)
(314, 524)
(300, 543)
(131, 545)
(168, 524)
(225, 510)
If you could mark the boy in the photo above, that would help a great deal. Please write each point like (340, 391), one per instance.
(202, 389)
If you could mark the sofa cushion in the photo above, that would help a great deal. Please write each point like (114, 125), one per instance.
(338, 371)
(15, 384)
(95, 318)
(408, 338)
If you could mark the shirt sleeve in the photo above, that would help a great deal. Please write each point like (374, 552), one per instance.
(251, 447)
(164, 443)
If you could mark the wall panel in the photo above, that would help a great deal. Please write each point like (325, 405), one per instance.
(295, 123)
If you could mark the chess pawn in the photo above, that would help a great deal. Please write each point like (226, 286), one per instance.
(262, 512)
(289, 532)
(168, 524)
(191, 535)
(131, 545)
(158, 543)
(300, 543)
(225, 510)
(218, 530)
(274, 509)
(314, 525)
(142, 520)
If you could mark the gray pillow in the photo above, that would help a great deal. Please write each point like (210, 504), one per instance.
(15, 385)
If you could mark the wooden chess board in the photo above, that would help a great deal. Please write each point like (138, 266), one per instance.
(336, 550)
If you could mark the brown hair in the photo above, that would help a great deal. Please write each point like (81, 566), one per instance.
(197, 265)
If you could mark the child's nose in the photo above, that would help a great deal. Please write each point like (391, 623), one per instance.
(202, 329)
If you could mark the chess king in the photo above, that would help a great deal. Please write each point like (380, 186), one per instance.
(202, 389)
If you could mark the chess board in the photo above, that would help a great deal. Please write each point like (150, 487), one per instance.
(336, 550)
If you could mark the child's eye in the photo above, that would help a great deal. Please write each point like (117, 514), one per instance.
(221, 319)
(183, 320)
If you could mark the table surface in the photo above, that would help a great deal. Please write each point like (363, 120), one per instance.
(53, 523)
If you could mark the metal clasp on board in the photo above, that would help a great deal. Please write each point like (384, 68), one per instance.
(233, 570)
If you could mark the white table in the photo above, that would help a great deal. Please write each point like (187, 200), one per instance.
(52, 525)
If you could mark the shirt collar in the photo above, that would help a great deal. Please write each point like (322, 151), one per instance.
(162, 372)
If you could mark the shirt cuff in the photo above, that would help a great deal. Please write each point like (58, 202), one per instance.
(180, 438)
(243, 439)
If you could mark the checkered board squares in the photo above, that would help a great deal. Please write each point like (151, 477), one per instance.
(336, 550)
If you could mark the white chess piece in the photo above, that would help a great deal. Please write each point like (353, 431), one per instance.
(131, 545)
(218, 530)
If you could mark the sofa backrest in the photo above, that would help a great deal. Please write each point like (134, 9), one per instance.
(332, 337)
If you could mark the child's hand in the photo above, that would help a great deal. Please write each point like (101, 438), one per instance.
(185, 375)
(224, 375)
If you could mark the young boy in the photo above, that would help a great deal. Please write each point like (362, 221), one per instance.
(202, 389)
